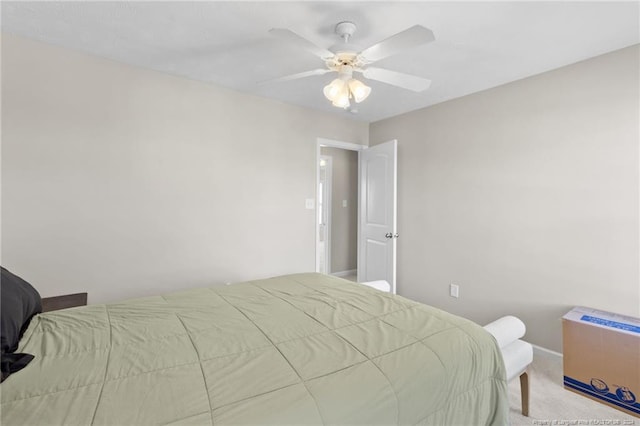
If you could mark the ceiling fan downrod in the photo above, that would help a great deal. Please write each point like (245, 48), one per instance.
(345, 30)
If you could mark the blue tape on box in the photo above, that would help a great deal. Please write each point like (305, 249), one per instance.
(611, 324)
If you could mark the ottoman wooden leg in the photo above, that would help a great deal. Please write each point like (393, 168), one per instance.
(524, 393)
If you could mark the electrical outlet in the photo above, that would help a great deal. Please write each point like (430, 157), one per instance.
(454, 290)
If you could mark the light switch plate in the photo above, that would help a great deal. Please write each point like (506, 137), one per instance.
(344, 203)
(309, 204)
(454, 290)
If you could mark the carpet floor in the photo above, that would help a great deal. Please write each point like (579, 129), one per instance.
(551, 404)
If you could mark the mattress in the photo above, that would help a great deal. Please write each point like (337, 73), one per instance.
(297, 349)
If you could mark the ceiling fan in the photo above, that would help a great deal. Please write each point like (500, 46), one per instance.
(345, 59)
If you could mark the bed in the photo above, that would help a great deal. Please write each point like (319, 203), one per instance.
(297, 349)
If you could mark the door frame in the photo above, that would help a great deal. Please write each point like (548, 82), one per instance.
(326, 205)
(320, 142)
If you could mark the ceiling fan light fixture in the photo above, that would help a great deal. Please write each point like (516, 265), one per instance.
(342, 99)
(359, 90)
(333, 89)
(342, 89)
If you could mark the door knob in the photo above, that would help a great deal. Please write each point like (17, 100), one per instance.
(396, 236)
(388, 235)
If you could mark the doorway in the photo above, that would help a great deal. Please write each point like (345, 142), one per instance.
(376, 207)
(337, 213)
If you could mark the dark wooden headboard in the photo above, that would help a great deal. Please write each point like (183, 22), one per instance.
(63, 302)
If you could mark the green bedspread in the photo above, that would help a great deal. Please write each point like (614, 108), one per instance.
(297, 349)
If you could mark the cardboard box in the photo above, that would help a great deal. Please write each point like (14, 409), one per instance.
(601, 357)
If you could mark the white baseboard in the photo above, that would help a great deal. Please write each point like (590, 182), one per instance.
(546, 351)
(344, 273)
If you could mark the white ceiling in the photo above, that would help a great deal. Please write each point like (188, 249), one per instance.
(478, 45)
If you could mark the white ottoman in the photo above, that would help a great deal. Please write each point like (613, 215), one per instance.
(516, 354)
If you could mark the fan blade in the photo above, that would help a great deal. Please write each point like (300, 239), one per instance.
(406, 81)
(319, 71)
(302, 42)
(412, 37)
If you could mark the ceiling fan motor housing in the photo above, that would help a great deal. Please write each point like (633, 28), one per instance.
(343, 58)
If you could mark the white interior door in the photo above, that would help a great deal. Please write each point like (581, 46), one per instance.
(377, 221)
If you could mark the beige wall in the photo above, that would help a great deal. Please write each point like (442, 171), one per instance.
(125, 182)
(344, 220)
(525, 195)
